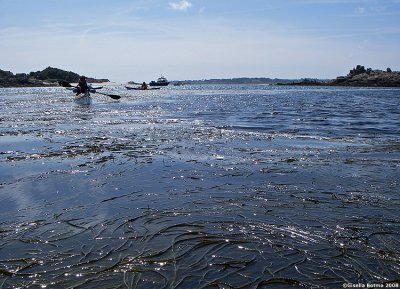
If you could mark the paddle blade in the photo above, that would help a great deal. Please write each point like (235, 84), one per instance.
(113, 96)
(64, 83)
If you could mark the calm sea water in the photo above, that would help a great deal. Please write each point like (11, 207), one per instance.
(200, 187)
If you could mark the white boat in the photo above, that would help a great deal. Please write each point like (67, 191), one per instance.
(162, 81)
(83, 99)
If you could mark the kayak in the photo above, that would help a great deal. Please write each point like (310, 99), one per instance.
(87, 95)
(83, 99)
(140, 88)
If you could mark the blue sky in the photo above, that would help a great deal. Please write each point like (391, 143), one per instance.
(138, 40)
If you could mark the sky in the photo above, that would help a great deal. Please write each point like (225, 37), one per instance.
(137, 40)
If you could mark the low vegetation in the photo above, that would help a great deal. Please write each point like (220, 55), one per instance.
(47, 77)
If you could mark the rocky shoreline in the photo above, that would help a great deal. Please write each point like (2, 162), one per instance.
(357, 77)
(361, 77)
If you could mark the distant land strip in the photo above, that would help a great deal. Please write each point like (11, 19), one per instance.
(357, 77)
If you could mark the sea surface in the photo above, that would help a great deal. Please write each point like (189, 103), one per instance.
(200, 187)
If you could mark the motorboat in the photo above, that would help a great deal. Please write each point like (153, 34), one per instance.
(161, 81)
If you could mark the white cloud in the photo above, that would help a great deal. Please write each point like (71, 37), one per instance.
(180, 6)
(360, 11)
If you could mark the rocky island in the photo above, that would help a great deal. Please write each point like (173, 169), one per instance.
(361, 77)
(48, 77)
(357, 77)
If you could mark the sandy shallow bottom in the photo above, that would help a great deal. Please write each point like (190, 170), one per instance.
(113, 197)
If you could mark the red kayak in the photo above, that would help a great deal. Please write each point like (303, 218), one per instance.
(140, 88)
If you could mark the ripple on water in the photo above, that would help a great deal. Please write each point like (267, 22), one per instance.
(199, 187)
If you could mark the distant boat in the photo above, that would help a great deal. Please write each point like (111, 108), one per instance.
(162, 81)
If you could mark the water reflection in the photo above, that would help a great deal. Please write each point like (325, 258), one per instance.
(203, 187)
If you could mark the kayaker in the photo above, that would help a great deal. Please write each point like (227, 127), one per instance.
(82, 86)
(144, 85)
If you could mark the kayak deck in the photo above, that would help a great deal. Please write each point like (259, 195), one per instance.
(84, 99)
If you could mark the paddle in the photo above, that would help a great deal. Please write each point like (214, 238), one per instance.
(113, 96)
(66, 84)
